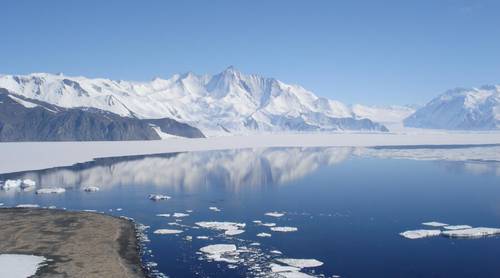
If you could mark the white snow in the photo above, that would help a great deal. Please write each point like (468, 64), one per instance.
(301, 263)
(27, 104)
(457, 227)
(158, 197)
(45, 155)
(274, 214)
(167, 231)
(416, 234)
(19, 266)
(284, 229)
(263, 235)
(472, 232)
(434, 224)
(91, 189)
(51, 190)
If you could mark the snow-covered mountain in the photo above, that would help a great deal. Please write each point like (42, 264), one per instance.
(460, 109)
(228, 102)
(392, 114)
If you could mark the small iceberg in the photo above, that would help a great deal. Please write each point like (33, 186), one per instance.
(434, 224)
(163, 215)
(91, 189)
(28, 182)
(202, 237)
(274, 214)
(284, 229)
(221, 252)
(301, 263)
(180, 214)
(158, 197)
(415, 234)
(10, 184)
(167, 231)
(221, 226)
(51, 190)
(457, 227)
(216, 209)
(233, 232)
(257, 222)
(263, 235)
(472, 232)
(269, 224)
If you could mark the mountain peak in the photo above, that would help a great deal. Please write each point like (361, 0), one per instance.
(231, 70)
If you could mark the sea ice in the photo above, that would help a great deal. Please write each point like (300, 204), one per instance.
(10, 184)
(284, 229)
(202, 237)
(472, 232)
(301, 263)
(434, 224)
(269, 224)
(216, 209)
(51, 190)
(167, 231)
(163, 215)
(91, 189)
(217, 252)
(233, 232)
(19, 266)
(27, 206)
(457, 227)
(158, 197)
(415, 234)
(263, 235)
(221, 226)
(274, 214)
(294, 274)
(282, 268)
(180, 214)
(257, 222)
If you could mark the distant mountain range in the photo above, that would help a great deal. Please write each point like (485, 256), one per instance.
(460, 109)
(229, 102)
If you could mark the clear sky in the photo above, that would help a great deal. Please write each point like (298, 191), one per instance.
(372, 52)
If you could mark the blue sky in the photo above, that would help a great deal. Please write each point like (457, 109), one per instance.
(372, 52)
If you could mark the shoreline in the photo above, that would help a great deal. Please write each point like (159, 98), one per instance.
(76, 243)
(31, 156)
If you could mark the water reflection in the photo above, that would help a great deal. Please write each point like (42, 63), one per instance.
(252, 168)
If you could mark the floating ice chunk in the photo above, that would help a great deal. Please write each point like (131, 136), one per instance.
(269, 224)
(219, 252)
(91, 189)
(257, 222)
(188, 238)
(189, 210)
(282, 268)
(17, 265)
(295, 274)
(180, 214)
(284, 229)
(51, 190)
(254, 244)
(232, 266)
(277, 252)
(274, 214)
(415, 234)
(10, 184)
(167, 231)
(158, 197)
(52, 207)
(27, 206)
(472, 232)
(221, 226)
(434, 224)
(216, 209)
(163, 215)
(27, 187)
(119, 209)
(301, 263)
(263, 235)
(202, 237)
(233, 232)
(29, 182)
(457, 227)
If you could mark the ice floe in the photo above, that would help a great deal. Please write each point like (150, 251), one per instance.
(457, 227)
(257, 222)
(221, 252)
(27, 206)
(301, 263)
(263, 235)
(91, 189)
(179, 215)
(269, 224)
(415, 234)
(434, 224)
(19, 266)
(275, 214)
(233, 232)
(51, 190)
(221, 226)
(167, 231)
(282, 268)
(10, 184)
(284, 229)
(163, 215)
(216, 209)
(202, 237)
(158, 197)
(472, 232)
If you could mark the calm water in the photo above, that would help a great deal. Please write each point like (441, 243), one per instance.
(349, 208)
